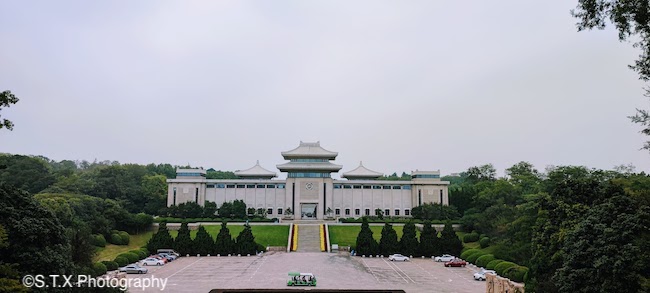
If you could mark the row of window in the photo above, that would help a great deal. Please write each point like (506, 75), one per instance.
(336, 186)
(190, 174)
(426, 176)
(222, 185)
(346, 186)
(308, 175)
(357, 212)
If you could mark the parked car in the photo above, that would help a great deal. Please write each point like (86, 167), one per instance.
(159, 257)
(398, 257)
(168, 251)
(170, 257)
(133, 269)
(456, 263)
(480, 275)
(444, 258)
(151, 261)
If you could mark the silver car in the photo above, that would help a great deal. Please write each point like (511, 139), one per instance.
(444, 258)
(133, 269)
(398, 257)
(480, 275)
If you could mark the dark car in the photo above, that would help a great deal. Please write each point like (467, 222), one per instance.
(456, 263)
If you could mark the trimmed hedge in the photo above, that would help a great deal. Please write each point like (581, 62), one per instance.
(121, 261)
(502, 267)
(98, 240)
(125, 237)
(494, 263)
(516, 273)
(483, 260)
(110, 265)
(141, 254)
(130, 256)
(99, 269)
(471, 237)
(472, 258)
(468, 252)
(145, 251)
(115, 239)
(485, 242)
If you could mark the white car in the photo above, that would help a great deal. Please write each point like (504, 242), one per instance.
(150, 261)
(398, 257)
(480, 275)
(444, 258)
(133, 269)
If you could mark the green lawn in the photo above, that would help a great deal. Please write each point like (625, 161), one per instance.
(111, 251)
(267, 235)
(347, 235)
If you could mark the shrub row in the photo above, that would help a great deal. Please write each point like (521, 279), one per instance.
(492, 264)
(503, 268)
(99, 269)
(130, 256)
(516, 273)
(98, 240)
(119, 238)
(483, 260)
(126, 258)
(121, 261)
(218, 220)
(485, 242)
(471, 237)
(468, 252)
(110, 265)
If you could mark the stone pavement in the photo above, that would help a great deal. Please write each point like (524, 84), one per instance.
(333, 271)
(308, 238)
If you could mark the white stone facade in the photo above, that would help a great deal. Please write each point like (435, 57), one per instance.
(309, 189)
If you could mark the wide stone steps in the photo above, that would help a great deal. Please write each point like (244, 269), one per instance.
(309, 238)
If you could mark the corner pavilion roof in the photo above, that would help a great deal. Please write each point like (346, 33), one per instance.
(256, 171)
(361, 172)
(309, 150)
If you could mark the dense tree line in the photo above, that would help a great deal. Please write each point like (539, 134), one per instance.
(576, 229)
(34, 240)
(430, 243)
(203, 243)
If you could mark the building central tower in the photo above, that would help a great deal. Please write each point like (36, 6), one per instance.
(309, 180)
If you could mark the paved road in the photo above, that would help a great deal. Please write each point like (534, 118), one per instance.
(333, 271)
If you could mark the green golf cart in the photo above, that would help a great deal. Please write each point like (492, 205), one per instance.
(301, 279)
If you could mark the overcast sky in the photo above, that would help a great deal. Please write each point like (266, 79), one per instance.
(400, 85)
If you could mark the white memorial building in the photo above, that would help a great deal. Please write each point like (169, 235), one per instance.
(309, 190)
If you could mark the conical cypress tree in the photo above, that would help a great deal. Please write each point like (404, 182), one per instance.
(388, 243)
(366, 244)
(409, 242)
(203, 243)
(449, 241)
(224, 244)
(162, 239)
(246, 241)
(183, 243)
(428, 240)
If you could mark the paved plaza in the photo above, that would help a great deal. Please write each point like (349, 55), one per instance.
(333, 271)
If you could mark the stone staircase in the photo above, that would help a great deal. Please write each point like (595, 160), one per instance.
(308, 238)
